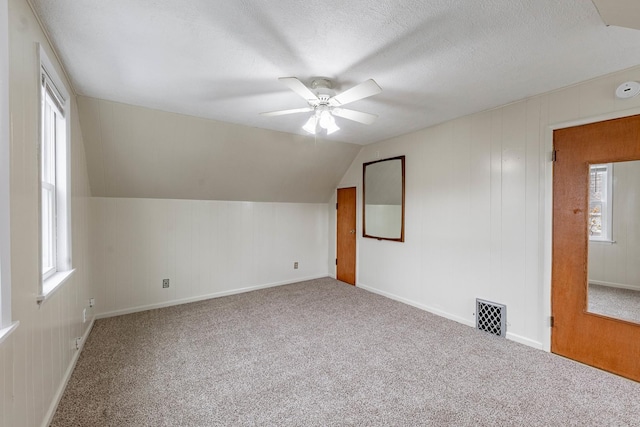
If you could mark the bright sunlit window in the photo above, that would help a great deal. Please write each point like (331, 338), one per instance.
(53, 126)
(600, 202)
(55, 227)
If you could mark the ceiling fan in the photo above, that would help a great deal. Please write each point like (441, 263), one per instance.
(325, 105)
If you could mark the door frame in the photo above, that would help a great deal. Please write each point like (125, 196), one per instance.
(546, 201)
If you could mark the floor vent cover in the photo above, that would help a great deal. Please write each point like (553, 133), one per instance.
(491, 317)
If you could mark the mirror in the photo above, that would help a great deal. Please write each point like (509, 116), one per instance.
(614, 240)
(383, 199)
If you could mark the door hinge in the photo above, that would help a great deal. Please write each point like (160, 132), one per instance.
(554, 155)
(551, 321)
(336, 206)
(336, 261)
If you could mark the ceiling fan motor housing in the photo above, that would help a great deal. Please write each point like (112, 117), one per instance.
(323, 88)
(321, 83)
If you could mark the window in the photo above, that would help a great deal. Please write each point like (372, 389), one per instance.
(53, 124)
(55, 227)
(600, 202)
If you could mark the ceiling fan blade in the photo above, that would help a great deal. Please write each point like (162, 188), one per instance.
(356, 116)
(283, 112)
(298, 87)
(363, 90)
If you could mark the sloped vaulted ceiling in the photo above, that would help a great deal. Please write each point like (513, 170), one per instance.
(621, 13)
(138, 152)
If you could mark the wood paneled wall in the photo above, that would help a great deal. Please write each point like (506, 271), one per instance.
(205, 248)
(36, 358)
(478, 208)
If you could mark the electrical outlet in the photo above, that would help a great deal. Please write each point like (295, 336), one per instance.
(165, 283)
(92, 302)
(78, 342)
(84, 315)
(295, 265)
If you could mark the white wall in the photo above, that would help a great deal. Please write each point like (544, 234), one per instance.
(5, 176)
(36, 358)
(384, 220)
(478, 204)
(205, 248)
(618, 264)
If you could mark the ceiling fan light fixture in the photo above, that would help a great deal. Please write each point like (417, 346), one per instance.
(325, 119)
(333, 127)
(311, 125)
(325, 104)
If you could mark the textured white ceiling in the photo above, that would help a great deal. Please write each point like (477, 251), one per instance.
(434, 59)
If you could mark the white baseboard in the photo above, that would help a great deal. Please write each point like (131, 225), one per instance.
(526, 341)
(202, 297)
(438, 312)
(615, 285)
(65, 380)
(424, 307)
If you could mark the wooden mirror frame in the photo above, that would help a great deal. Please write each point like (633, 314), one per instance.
(364, 199)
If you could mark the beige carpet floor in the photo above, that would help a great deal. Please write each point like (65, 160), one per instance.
(614, 302)
(322, 353)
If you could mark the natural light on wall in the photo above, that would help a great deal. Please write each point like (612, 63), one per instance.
(6, 325)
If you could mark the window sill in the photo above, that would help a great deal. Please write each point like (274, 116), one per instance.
(4, 333)
(53, 283)
(608, 242)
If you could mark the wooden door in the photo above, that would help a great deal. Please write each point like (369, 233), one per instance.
(597, 340)
(346, 237)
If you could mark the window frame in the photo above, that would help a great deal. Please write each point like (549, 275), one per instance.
(607, 212)
(52, 88)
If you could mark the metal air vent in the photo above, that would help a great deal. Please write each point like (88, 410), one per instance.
(491, 317)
